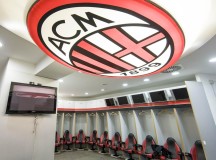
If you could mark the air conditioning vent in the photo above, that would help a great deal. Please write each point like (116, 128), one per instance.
(173, 69)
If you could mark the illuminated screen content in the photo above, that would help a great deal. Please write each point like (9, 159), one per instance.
(25, 98)
(180, 93)
(158, 96)
(138, 98)
(122, 100)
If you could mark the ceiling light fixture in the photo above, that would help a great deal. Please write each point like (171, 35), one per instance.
(212, 60)
(61, 80)
(86, 93)
(72, 94)
(125, 84)
(102, 90)
(1, 45)
(112, 57)
(146, 80)
(175, 73)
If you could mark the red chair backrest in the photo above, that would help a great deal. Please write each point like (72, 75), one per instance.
(116, 139)
(197, 151)
(147, 148)
(104, 137)
(93, 137)
(173, 147)
(130, 141)
(67, 136)
(81, 135)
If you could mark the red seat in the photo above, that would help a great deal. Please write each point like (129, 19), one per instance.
(115, 144)
(80, 139)
(147, 150)
(174, 149)
(129, 146)
(196, 152)
(93, 139)
(67, 139)
(102, 142)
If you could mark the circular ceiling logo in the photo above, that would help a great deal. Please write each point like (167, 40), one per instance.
(115, 39)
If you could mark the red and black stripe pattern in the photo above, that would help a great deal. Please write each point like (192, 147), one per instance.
(91, 58)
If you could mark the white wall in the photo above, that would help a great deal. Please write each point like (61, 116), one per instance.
(81, 104)
(18, 142)
(209, 84)
(203, 117)
(2, 70)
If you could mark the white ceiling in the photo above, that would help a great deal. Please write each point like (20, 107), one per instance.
(198, 62)
(18, 48)
(197, 19)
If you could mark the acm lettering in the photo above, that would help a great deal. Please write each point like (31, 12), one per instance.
(62, 40)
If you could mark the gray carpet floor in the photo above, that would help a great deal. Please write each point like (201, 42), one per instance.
(82, 155)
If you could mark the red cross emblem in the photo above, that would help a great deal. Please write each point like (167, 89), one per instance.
(107, 38)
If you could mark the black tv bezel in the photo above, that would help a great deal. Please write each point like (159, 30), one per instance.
(136, 95)
(156, 92)
(109, 99)
(122, 97)
(180, 89)
(8, 111)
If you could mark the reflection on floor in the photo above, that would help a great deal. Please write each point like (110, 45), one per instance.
(82, 155)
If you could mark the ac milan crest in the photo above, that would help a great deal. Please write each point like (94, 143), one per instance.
(115, 38)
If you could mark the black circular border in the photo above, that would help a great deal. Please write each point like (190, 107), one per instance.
(106, 7)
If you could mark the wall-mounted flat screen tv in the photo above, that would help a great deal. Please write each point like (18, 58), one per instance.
(110, 102)
(138, 98)
(158, 96)
(180, 93)
(26, 98)
(122, 100)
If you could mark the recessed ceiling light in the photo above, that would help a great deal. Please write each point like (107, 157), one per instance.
(146, 80)
(102, 90)
(1, 45)
(125, 84)
(72, 94)
(86, 93)
(212, 60)
(61, 80)
(175, 73)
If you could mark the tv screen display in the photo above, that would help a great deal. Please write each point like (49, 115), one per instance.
(122, 100)
(158, 96)
(110, 102)
(180, 93)
(138, 98)
(25, 98)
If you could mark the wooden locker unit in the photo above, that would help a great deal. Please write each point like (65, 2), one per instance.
(166, 125)
(114, 125)
(101, 122)
(144, 124)
(91, 122)
(81, 122)
(188, 127)
(128, 124)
